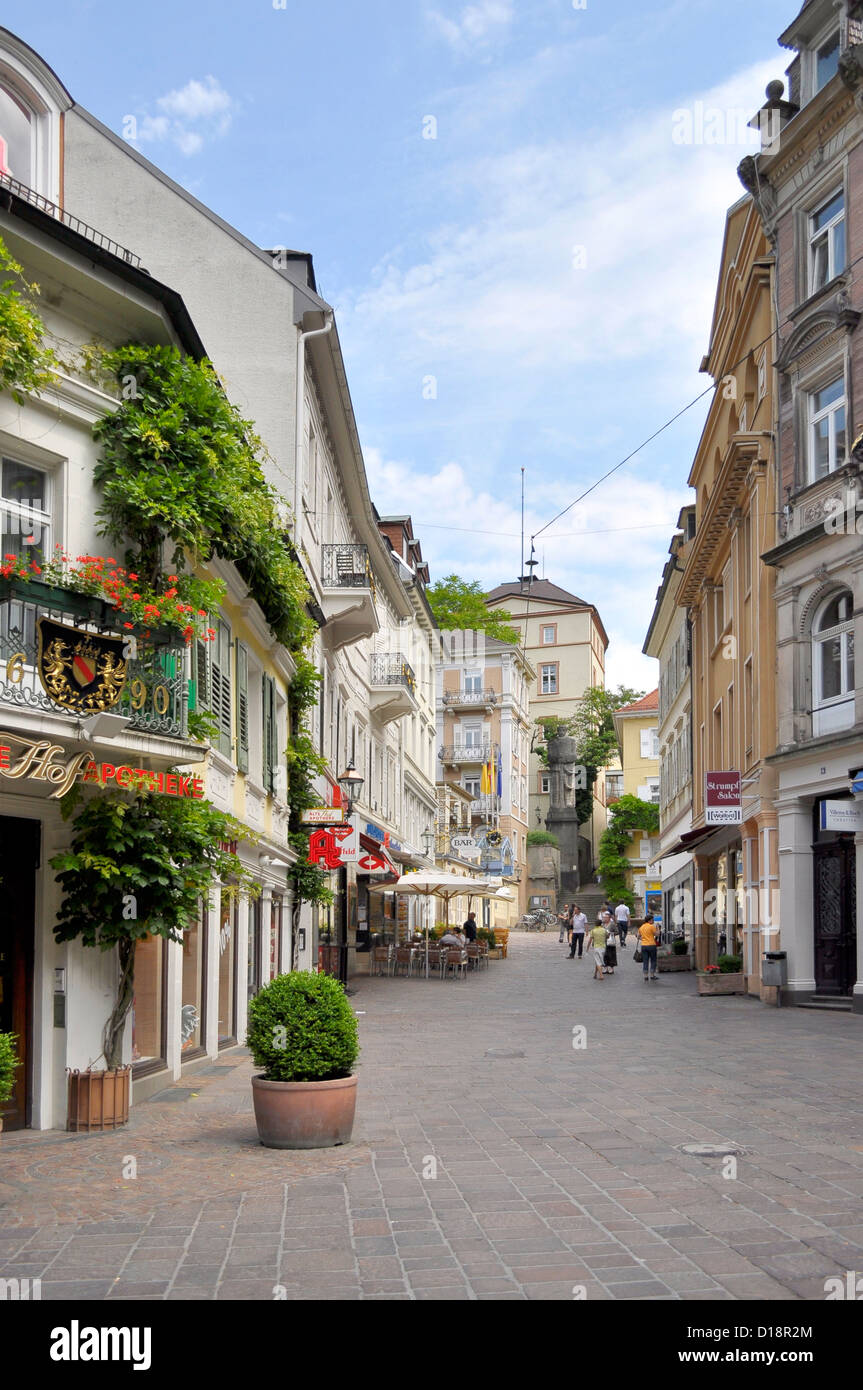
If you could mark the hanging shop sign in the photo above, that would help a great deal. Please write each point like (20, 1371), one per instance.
(723, 802)
(323, 815)
(44, 761)
(83, 671)
(337, 845)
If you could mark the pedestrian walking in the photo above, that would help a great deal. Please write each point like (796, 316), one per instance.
(610, 957)
(647, 936)
(598, 937)
(621, 917)
(579, 927)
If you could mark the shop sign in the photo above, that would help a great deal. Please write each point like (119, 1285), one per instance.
(465, 845)
(338, 844)
(841, 815)
(723, 802)
(43, 761)
(373, 863)
(323, 815)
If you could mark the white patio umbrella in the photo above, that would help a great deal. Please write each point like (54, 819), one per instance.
(427, 883)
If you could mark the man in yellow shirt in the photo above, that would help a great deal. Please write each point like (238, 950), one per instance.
(649, 940)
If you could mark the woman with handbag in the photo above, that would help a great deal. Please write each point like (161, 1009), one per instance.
(647, 945)
(610, 957)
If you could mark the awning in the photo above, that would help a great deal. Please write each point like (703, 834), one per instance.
(374, 859)
(691, 838)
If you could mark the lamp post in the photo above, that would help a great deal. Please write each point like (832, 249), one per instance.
(351, 783)
(428, 839)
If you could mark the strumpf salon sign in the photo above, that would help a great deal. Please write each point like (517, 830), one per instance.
(40, 760)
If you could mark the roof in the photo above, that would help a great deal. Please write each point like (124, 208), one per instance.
(648, 704)
(540, 588)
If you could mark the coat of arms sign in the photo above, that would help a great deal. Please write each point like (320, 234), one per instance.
(83, 671)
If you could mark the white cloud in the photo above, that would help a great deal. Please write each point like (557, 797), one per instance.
(476, 24)
(192, 115)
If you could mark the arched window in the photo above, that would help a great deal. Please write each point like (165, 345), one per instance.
(833, 664)
(16, 137)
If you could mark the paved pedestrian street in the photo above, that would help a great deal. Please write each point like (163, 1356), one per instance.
(492, 1159)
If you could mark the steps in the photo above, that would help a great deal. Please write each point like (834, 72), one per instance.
(830, 1003)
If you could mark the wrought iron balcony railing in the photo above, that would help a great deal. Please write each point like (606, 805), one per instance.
(154, 691)
(390, 668)
(346, 567)
(465, 753)
(107, 243)
(470, 697)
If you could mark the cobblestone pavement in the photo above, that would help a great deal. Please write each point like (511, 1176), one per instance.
(556, 1166)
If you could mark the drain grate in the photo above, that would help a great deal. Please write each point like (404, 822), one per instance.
(712, 1150)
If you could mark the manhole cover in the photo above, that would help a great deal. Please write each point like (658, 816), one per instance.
(711, 1150)
(503, 1052)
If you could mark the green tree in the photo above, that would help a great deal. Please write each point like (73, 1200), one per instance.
(460, 603)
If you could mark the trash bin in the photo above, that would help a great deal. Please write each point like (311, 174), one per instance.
(774, 968)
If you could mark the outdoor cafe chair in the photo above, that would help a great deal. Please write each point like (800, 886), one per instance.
(473, 956)
(382, 958)
(403, 958)
(454, 960)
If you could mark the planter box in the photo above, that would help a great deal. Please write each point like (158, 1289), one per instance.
(98, 1100)
(732, 983)
(304, 1114)
(667, 963)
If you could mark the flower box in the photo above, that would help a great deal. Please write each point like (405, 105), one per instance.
(98, 1100)
(672, 962)
(717, 983)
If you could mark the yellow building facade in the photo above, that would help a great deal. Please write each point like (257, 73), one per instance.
(637, 729)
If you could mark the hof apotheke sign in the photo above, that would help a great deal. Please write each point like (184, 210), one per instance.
(40, 760)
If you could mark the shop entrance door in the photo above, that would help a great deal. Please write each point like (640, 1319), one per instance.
(835, 917)
(19, 860)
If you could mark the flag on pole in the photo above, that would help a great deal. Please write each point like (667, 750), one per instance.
(499, 775)
(484, 782)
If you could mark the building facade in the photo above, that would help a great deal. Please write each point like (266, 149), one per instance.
(565, 642)
(806, 184)
(483, 733)
(637, 729)
(668, 640)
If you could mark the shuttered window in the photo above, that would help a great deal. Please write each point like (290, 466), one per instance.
(270, 738)
(199, 684)
(220, 685)
(242, 708)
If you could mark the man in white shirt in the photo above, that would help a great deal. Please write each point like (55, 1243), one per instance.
(579, 927)
(621, 917)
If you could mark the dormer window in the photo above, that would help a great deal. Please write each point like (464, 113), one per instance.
(827, 61)
(16, 138)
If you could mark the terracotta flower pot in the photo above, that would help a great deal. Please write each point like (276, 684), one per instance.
(304, 1114)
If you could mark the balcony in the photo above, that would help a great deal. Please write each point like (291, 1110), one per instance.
(153, 690)
(393, 687)
(348, 602)
(455, 754)
(29, 195)
(470, 699)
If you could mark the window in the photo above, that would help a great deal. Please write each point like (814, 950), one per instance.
(649, 739)
(613, 786)
(270, 744)
(242, 708)
(472, 735)
(220, 685)
(827, 429)
(833, 665)
(827, 61)
(544, 783)
(25, 511)
(16, 138)
(827, 241)
(548, 679)
(549, 635)
(471, 784)
(472, 682)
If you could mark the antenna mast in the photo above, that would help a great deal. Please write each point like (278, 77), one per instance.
(521, 563)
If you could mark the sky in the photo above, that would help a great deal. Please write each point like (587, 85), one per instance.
(516, 210)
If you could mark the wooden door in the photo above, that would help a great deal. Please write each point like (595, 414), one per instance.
(835, 917)
(19, 860)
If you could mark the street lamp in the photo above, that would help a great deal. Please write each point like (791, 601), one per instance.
(351, 783)
(428, 838)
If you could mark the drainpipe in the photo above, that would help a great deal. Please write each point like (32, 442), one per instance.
(300, 413)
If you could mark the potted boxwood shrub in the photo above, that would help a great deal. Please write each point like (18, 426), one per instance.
(8, 1065)
(303, 1033)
